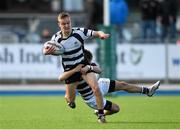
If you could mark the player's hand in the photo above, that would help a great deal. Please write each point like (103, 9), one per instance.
(48, 50)
(84, 70)
(103, 35)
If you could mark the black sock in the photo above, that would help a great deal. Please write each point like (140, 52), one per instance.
(101, 112)
(72, 105)
(145, 90)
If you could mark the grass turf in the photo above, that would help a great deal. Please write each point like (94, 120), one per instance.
(51, 112)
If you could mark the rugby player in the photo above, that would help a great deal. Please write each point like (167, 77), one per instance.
(106, 86)
(72, 40)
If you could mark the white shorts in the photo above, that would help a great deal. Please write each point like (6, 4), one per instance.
(104, 84)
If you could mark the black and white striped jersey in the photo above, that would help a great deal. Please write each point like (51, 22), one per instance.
(73, 45)
(85, 90)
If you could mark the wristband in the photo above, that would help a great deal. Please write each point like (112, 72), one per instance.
(91, 67)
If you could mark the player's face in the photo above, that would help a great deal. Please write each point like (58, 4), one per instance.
(65, 25)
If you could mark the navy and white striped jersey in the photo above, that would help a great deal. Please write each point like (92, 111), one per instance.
(105, 85)
(73, 45)
(85, 90)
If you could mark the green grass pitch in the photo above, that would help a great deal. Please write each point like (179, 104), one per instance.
(51, 112)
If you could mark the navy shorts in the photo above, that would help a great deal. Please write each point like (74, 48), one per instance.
(74, 78)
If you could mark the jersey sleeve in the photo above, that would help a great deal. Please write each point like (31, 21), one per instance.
(53, 37)
(85, 33)
(56, 37)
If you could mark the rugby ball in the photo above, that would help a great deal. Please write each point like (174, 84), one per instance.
(59, 49)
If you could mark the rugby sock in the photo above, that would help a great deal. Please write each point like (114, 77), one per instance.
(145, 90)
(101, 112)
(101, 116)
(72, 105)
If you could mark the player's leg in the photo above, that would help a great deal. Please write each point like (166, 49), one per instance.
(71, 94)
(71, 84)
(105, 84)
(90, 78)
(132, 88)
(115, 109)
(110, 108)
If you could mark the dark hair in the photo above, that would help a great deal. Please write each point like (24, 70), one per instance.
(87, 56)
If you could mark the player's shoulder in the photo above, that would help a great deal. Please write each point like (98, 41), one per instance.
(57, 34)
(81, 29)
(83, 32)
(78, 30)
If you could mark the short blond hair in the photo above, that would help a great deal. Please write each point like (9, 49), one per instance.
(63, 15)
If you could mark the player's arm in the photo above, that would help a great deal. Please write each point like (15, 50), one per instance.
(88, 33)
(96, 69)
(48, 50)
(91, 68)
(67, 74)
(100, 34)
